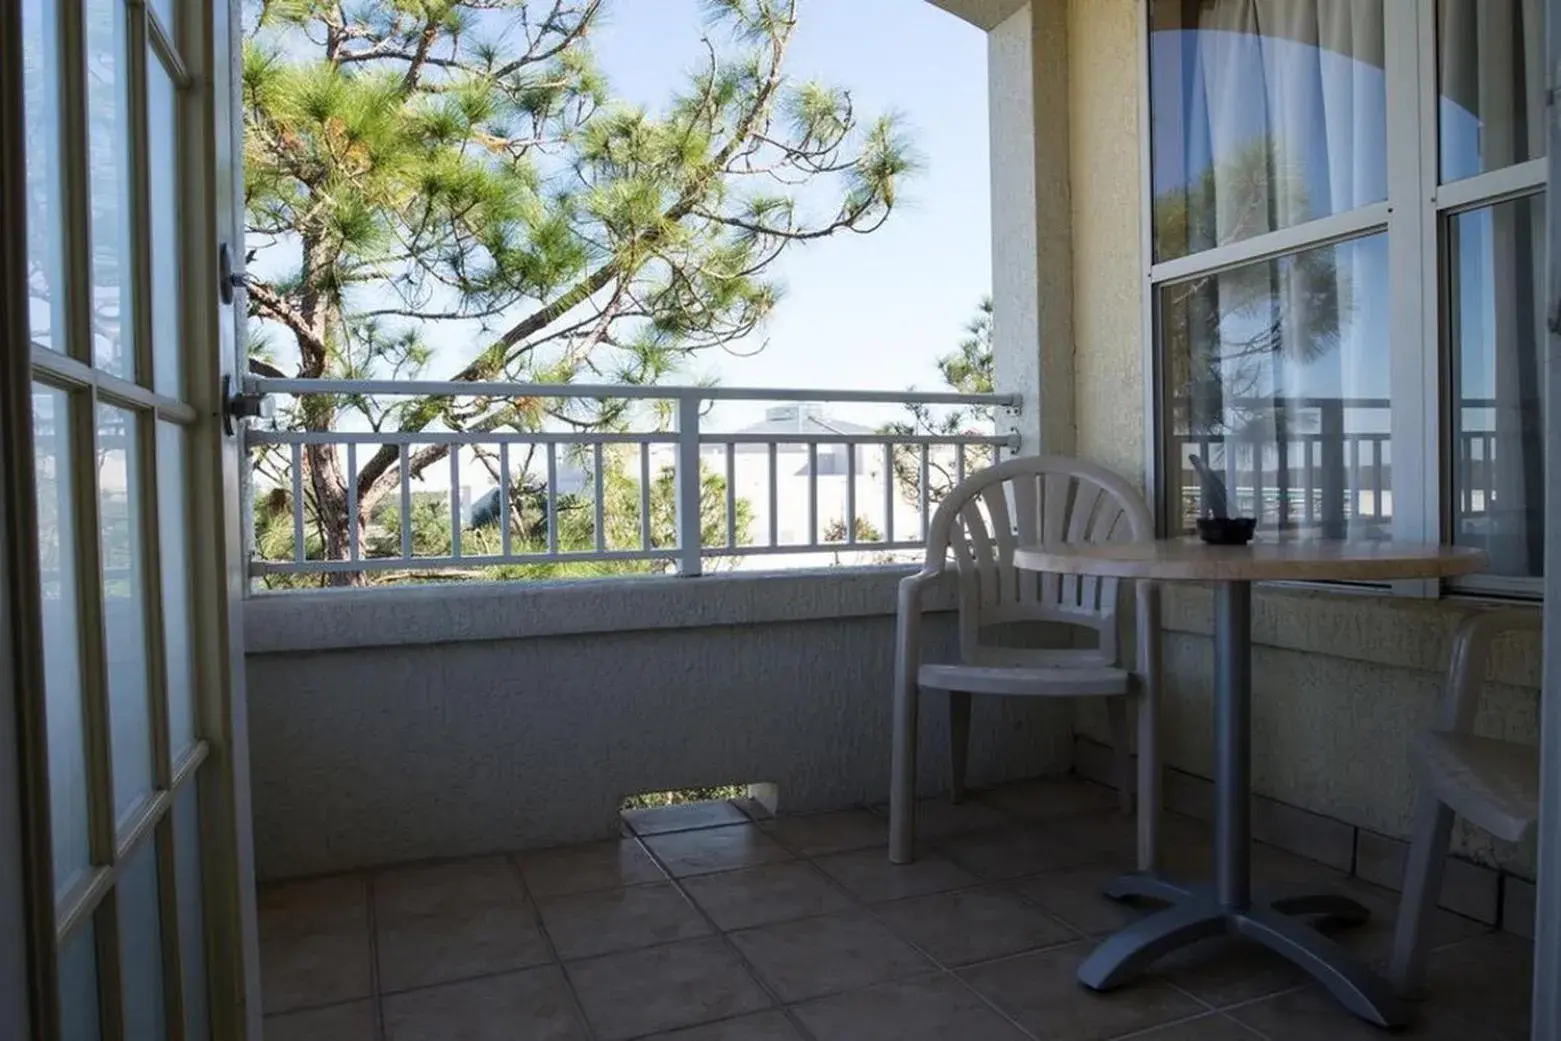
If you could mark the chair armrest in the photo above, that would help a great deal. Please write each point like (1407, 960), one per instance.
(907, 623)
(1471, 654)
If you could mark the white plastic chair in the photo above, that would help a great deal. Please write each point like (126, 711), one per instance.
(1038, 499)
(1493, 784)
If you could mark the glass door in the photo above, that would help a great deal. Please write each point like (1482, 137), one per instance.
(137, 684)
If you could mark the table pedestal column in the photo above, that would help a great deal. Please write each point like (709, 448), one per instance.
(1228, 907)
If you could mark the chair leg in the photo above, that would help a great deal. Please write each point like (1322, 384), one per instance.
(959, 742)
(1116, 712)
(1422, 889)
(902, 779)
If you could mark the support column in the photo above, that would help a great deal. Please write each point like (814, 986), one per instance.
(1032, 256)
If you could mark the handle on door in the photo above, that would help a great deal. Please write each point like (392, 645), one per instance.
(244, 403)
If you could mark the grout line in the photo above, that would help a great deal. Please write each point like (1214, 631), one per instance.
(374, 980)
(552, 949)
(726, 940)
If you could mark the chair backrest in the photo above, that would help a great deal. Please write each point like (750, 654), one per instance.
(1471, 656)
(1033, 500)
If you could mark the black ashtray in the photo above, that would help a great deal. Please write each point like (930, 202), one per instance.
(1226, 531)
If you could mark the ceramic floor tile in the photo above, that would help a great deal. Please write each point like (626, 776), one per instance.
(1227, 970)
(459, 943)
(1213, 1027)
(588, 924)
(1014, 852)
(972, 925)
(662, 988)
(659, 820)
(1074, 895)
(820, 834)
(1311, 1014)
(1486, 980)
(935, 1008)
(313, 905)
(763, 1026)
(940, 818)
(1050, 797)
(688, 853)
(353, 1022)
(816, 956)
(580, 869)
(302, 969)
(525, 1006)
(769, 893)
(1041, 992)
(869, 876)
(435, 889)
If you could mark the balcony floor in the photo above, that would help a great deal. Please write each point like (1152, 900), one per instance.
(705, 924)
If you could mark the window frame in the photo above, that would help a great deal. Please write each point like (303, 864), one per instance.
(1414, 216)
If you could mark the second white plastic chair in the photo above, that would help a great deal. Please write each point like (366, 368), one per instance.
(1036, 499)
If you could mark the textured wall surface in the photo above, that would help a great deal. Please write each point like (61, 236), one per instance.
(376, 749)
(1108, 265)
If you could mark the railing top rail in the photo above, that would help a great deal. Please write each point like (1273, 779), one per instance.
(460, 388)
(525, 437)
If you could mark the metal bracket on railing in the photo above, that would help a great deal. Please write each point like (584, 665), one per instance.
(247, 403)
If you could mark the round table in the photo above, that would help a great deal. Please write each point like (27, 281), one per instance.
(1197, 912)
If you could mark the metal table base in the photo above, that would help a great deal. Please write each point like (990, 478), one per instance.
(1229, 907)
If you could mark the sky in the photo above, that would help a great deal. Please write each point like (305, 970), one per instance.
(861, 312)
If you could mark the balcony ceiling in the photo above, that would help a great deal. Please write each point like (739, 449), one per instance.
(987, 14)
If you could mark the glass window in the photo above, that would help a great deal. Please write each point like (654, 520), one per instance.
(61, 635)
(141, 947)
(78, 985)
(1490, 77)
(108, 128)
(174, 548)
(1276, 375)
(1495, 303)
(1264, 114)
(124, 616)
(162, 146)
(45, 210)
(192, 931)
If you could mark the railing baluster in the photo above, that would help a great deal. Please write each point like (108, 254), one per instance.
(1376, 478)
(690, 552)
(731, 495)
(298, 503)
(552, 498)
(923, 494)
(455, 502)
(1309, 479)
(598, 507)
(505, 546)
(813, 493)
(353, 549)
(888, 493)
(645, 496)
(850, 493)
(405, 468)
(774, 494)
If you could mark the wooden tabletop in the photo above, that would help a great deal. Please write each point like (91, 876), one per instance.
(1264, 560)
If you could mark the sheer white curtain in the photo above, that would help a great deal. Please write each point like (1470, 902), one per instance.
(1286, 106)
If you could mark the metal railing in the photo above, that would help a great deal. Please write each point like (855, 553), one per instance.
(531, 471)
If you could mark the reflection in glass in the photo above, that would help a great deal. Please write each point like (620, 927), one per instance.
(141, 947)
(1496, 330)
(124, 619)
(192, 931)
(41, 127)
(174, 548)
(79, 986)
(1263, 115)
(162, 143)
(61, 635)
(1276, 376)
(108, 151)
(1490, 75)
